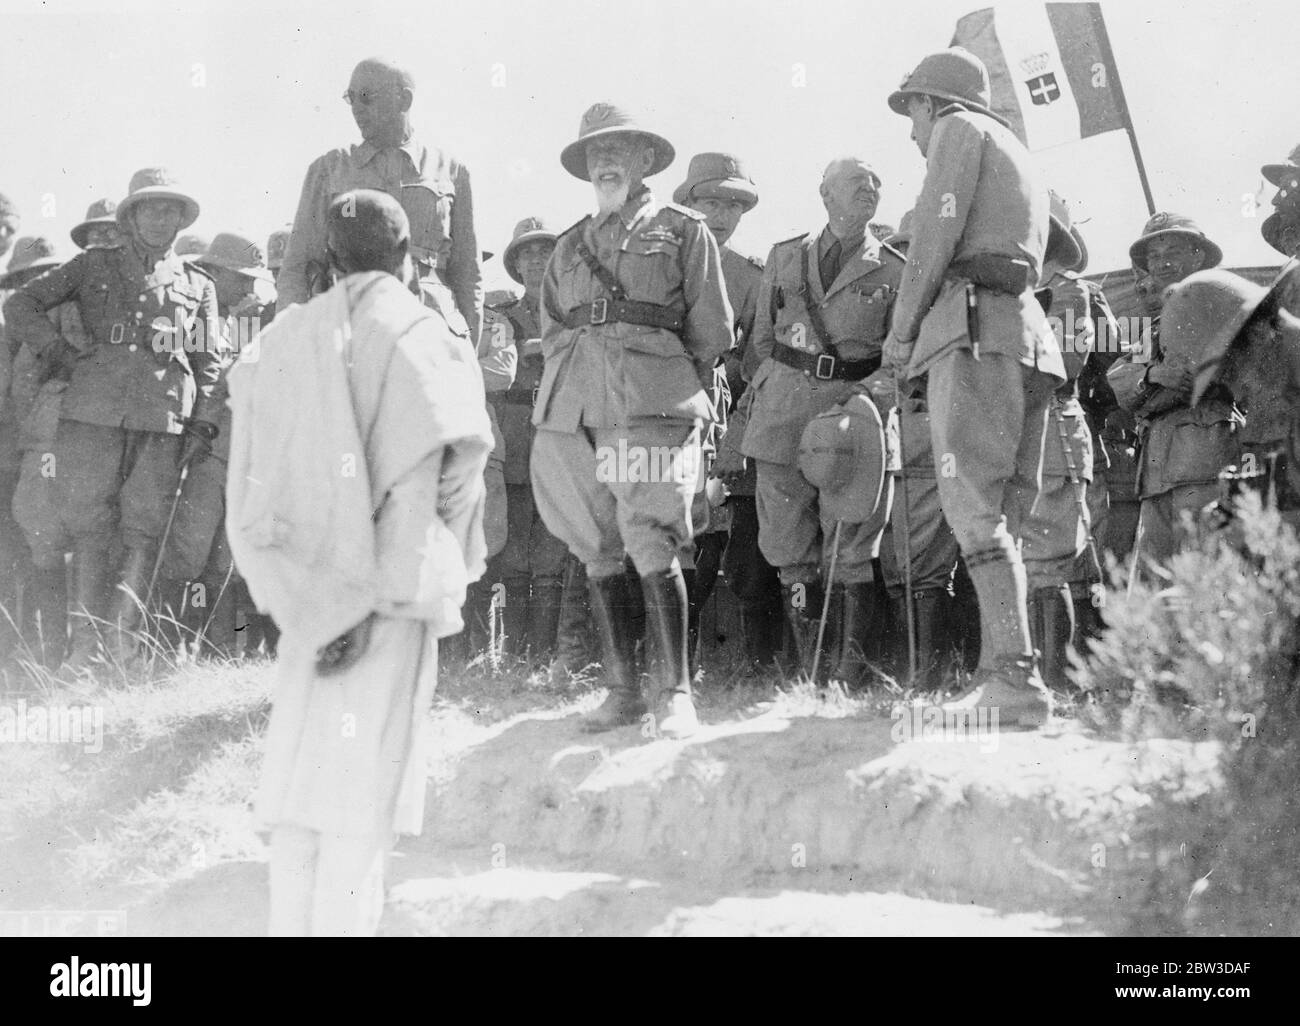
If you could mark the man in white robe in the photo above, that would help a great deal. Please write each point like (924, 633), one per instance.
(355, 513)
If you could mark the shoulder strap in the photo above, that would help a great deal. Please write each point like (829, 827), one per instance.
(814, 311)
(599, 271)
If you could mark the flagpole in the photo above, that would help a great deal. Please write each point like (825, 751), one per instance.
(1099, 25)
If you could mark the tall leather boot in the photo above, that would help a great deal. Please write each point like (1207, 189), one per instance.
(47, 596)
(573, 647)
(690, 579)
(1088, 622)
(757, 634)
(666, 608)
(802, 605)
(932, 642)
(544, 616)
(708, 561)
(1054, 634)
(860, 621)
(636, 607)
(609, 613)
(966, 617)
(1007, 679)
(126, 613)
(89, 593)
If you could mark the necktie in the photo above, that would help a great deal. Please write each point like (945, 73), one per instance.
(829, 265)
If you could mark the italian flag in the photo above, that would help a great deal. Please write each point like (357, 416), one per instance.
(1051, 68)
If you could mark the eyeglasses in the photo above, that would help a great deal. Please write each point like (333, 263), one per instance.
(365, 98)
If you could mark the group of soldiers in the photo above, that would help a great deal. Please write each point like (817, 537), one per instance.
(892, 443)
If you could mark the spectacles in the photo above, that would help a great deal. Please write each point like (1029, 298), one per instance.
(365, 98)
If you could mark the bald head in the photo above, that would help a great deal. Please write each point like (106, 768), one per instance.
(380, 94)
(367, 230)
(850, 192)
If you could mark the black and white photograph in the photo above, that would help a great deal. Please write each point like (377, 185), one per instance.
(692, 469)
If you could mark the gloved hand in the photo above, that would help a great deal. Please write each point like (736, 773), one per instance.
(199, 435)
(58, 360)
(343, 652)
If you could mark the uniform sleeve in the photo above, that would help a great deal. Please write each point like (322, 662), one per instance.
(708, 333)
(551, 315)
(307, 240)
(938, 220)
(209, 362)
(25, 320)
(1126, 380)
(763, 339)
(464, 270)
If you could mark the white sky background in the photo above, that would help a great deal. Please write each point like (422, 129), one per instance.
(237, 97)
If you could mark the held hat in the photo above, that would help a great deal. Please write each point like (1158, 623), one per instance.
(842, 454)
(603, 119)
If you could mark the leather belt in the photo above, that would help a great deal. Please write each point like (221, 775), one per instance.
(515, 397)
(629, 311)
(824, 366)
(995, 272)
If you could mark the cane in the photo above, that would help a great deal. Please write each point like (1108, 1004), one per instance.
(826, 598)
(907, 540)
(162, 545)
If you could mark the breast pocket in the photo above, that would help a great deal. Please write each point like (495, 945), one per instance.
(651, 269)
(428, 206)
(871, 307)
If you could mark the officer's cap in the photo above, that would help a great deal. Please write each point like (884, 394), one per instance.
(953, 74)
(157, 183)
(1165, 223)
(603, 119)
(530, 229)
(717, 176)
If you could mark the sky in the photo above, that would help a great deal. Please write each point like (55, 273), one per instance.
(236, 98)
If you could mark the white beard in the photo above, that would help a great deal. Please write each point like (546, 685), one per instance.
(611, 199)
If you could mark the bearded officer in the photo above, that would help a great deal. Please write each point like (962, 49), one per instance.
(967, 316)
(148, 379)
(634, 317)
(533, 560)
(718, 186)
(823, 312)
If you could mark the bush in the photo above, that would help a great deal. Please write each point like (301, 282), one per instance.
(1208, 651)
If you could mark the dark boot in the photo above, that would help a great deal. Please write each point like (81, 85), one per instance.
(803, 609)
(756, 631)
(860, 622)
(689, 578)
(1088, 622)
(127, 611)
(219, 627)
(47, 596)
(573, 648)
(609, 614)
(1053, 623)
(544, 616)
(966, 617)
(89, 593)
(666, 627)
(515, 614)
(636, 607)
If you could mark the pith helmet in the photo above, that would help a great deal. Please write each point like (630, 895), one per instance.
(237, 253)
(102, 211)
(603, 119)
(1279, 174)
(191, 246)
(33, 255)
(1165, 223)
(842, 454)
(953, 74)
(717, 176)
(1064, 243)
(530, 229)
(157, 183)
(277, 244)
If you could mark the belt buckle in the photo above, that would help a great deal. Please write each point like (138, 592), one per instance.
(601, 305)
(536, 388)
(118, 334)
(828, 362)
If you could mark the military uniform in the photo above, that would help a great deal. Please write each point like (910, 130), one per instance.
(967, 316)
(532, 561)
(155, 358)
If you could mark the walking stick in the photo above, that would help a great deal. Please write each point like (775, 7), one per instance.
(907, 540)
(826, 599)
(167, 531)
(1097, 593)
